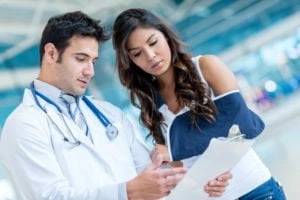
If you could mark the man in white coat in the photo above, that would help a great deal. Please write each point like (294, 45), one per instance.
(52, 154)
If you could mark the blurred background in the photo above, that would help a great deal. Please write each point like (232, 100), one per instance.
(258, 39)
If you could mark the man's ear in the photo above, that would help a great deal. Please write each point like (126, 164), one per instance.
(51, 53)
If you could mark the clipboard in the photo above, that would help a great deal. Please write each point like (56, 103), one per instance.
(221, 155)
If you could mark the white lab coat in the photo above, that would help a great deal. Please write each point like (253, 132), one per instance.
(43, 166)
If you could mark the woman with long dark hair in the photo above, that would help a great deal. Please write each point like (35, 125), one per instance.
(186, 101)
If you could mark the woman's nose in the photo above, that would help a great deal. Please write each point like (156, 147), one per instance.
(151, 54)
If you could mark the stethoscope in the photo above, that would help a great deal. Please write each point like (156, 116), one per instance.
(111, 130)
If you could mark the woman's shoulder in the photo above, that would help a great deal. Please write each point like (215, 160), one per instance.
(205, 57)
(208, 61)
(218, 76)
(206, 65)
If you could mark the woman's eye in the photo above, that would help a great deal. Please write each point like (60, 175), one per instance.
(137, 54)
(153, 43)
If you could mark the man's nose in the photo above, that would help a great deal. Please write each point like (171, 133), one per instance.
(89, 69)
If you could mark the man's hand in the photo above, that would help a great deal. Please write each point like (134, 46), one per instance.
(154, 183)
(216, 187)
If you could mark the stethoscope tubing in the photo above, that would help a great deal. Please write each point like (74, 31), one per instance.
(111, 130)
(97, 112)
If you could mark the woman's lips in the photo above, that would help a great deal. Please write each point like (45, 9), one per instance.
(156, 64)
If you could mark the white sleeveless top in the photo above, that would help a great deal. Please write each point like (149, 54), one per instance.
(249, 173)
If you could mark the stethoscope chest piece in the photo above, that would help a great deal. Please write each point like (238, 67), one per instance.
(111, 132)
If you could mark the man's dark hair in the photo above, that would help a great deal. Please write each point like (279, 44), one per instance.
(61, 28)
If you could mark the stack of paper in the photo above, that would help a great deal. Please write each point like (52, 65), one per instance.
(221, 156)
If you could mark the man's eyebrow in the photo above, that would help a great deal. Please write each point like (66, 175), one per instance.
(84, 54)
(151, 36)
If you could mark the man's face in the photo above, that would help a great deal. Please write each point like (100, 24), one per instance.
(76, 68)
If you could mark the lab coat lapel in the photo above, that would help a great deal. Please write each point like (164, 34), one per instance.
(79, 135)
(68, 128)
(57, 123)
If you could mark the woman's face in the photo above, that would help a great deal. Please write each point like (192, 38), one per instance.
(149, 50)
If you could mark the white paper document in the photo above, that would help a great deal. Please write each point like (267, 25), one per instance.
(219, 157)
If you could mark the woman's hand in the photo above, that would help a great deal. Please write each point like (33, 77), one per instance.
(216, 187)
(160, 151)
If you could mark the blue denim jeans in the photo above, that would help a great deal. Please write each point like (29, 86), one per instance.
(268, 190)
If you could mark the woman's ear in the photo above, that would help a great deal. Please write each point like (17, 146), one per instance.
(51, 53)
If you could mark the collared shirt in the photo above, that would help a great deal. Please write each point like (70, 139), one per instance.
(52, 93)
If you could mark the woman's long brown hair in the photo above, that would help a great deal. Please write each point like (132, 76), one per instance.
(189, 89)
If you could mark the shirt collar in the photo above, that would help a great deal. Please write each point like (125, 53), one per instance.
(49, 91)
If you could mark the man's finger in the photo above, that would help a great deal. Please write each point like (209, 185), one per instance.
(173, 171)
